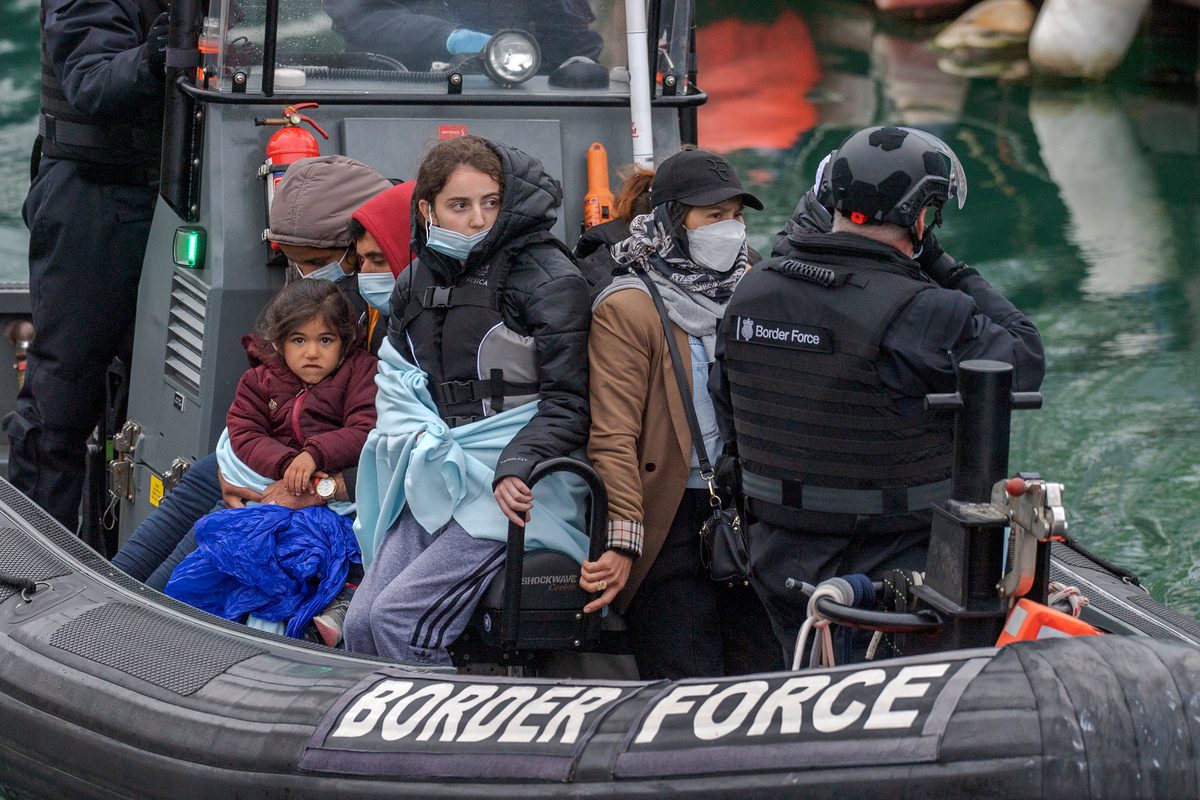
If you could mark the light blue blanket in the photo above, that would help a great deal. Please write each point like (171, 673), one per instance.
(414, 458)
(234, 470)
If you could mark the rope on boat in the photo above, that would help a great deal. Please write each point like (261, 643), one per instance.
(1060, 592)
(1120, 572)
(854, 590)
(27, 586)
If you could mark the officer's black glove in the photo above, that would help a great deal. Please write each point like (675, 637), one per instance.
(156, 45)
(940, 265)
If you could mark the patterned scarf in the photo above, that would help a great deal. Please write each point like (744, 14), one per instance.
(653, 245)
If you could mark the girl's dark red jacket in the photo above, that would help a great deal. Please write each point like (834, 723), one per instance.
(274, 417)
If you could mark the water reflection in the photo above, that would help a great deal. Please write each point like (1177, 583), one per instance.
(1083, 209)
(757, 75)
(917, 91)
(18, 107)
(1117, 214)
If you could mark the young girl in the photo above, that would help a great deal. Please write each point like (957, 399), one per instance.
(302, 411)
(307, 402)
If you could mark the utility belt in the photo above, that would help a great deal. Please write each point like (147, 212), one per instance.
(827, 499)
(121, 154)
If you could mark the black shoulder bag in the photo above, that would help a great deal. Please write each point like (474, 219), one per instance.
(724, 551)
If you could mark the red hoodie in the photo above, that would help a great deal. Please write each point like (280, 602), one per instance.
(387, 217)
(274, 417)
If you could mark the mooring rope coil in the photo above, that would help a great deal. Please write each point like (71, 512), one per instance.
(854, 590)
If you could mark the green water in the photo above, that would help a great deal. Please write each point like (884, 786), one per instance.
(1083, 207)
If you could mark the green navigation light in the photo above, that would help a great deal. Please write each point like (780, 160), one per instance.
(189, 246)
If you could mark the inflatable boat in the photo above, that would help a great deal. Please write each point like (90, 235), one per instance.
(109, 689)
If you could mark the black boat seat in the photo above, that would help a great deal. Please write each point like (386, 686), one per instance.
(535, 603)
(551, 616)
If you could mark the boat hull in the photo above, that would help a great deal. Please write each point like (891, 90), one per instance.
(110, 690)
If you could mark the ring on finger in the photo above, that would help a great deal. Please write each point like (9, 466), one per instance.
(601, 585)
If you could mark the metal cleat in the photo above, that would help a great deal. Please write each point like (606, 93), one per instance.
(1035, 512)
(126, 440)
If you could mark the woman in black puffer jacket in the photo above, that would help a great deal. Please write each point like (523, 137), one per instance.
(496, 314)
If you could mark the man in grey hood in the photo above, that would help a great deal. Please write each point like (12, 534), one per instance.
(310, 217)
(310, 221)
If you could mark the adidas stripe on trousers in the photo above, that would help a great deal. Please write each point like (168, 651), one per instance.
(419, 592)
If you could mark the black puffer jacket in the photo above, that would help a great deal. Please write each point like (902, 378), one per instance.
(544, 296)
(809, 216)
(593, 250)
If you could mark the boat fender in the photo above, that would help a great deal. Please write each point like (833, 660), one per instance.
(1029, 621)
(1083, 38)
(598, 202)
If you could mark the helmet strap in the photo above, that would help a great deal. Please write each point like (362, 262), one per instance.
(918, 243)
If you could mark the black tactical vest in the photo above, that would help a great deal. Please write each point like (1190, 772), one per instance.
(477, 365)
(816, 429)
(71, 134)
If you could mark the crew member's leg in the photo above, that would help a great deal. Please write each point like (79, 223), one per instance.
(86, 245)
(778, 553)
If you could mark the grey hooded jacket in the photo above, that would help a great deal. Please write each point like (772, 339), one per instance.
(314, 201)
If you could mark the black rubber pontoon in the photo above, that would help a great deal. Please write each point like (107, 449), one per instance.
(110, 690)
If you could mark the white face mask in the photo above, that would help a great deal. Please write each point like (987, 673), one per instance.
(716, 246)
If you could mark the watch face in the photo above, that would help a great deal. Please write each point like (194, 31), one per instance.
(326, 488)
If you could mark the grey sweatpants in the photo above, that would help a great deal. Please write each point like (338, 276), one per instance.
(419, 592)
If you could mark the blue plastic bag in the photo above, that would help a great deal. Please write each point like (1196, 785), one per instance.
(268, 560)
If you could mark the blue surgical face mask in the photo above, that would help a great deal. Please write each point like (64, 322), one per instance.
(330, 272)
(450, 243)
(376, 289)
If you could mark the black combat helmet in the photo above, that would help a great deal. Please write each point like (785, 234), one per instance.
(889, 174)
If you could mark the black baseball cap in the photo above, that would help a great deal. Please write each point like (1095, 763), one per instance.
(698, 178)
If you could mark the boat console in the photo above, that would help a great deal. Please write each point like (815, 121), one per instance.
(232, 68)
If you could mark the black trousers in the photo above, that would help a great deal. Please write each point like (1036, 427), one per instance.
(682, 624)
(86, 244)
(778, 553)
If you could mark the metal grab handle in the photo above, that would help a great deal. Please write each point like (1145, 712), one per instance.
(885, 621)
(514, 566)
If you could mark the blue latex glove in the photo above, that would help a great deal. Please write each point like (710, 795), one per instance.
(464, 40)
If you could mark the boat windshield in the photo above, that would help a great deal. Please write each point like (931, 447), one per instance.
(526, 47)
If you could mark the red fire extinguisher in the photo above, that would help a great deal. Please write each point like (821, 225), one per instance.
(288, 144)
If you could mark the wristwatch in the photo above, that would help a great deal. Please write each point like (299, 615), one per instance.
(325, 487)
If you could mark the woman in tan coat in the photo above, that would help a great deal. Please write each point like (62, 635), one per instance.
(693, 247)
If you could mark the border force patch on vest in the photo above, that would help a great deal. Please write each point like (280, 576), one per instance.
(782, 334)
